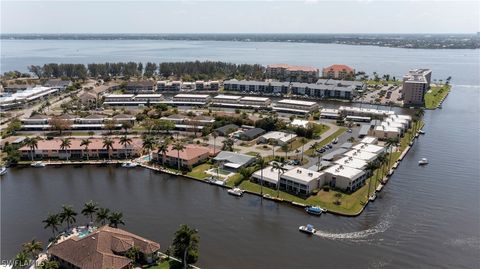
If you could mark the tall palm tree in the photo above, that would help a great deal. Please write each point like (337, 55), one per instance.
(391, 142)
(108, 145)
(68, 215)
(371, 166)
(419, 115)
(85, 143)
(261, 162)
(215, 135)
(102, 215)
(65, 144)
(163, 149)
(21, 260)
(274, 143)
(148, 144)
(89, 209)
(125, 141)
(178, 147)
(303, 141)
(32, 248)
(115, 219)
(52, 221)
(285, 149)
(279, 167)
(382, 160)
(32, 143)
(185, 242)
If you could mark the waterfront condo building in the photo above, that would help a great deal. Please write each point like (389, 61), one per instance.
(295, 106)
(338, 71)
(301, 181)
(345, 177)
(188, 157)
(415, 84)
(145, 86)
(291, 73)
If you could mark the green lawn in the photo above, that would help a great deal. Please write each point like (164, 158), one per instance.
(171, 264)
(435, 95)
(295, 144)
(198, 172)
(319, 129)
(311, 152)
(234, 180)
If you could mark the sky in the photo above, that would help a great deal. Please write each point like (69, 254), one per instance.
(310, 16)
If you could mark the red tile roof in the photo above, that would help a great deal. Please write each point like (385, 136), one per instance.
(189, 153)
(97, 143)
(97, 250)
(338, 68)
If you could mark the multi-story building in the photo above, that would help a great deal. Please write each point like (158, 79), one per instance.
(169, 86)
(291, 73)
(301, 181)
(415, 84)
(188, 157)
(295, 106)
(92, 122)
(191, 99)
(239, 101)
(338, 71)
(226, 100)
(132, 100)
(344, 177)
(146, 86)
(186, 123)
(256, 86)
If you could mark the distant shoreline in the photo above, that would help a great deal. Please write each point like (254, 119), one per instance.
(409, 41)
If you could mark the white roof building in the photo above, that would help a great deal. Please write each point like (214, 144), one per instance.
(345, 177)
(299, 123)
(361, 154)
(369, 148)
(270, 175)
(352, 162)
(369, 140)
(280, 137)
(300, 180)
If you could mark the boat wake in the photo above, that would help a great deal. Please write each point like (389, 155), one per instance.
(380, 227)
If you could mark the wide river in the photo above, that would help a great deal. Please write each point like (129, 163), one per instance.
(426, 217)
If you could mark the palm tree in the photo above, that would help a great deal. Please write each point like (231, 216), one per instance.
(163, 149)
(46, 264)
(273, 143)
(148, 144)
(382, 160)
(178, 147)
(186, 242)
(303, 141)
(285, 148)
(227, 144)
(65, 145)
(108, 145)
(261, 162)
(391, 142)
(52, 221)
(68, 215)
(85, 143)
(102, 215)
(215, 135)
(279, 167)
(89, 209)
(419, 115)
(21, 260)
(32, 248)
(125, 141)
(115, 219)
(32, 143)
(351, 139)
(371, 166)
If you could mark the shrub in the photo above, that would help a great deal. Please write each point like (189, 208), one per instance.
(326, 188)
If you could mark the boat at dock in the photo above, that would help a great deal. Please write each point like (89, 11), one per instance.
(315, 210)
(3, 170)
(235, 192)
(308, 229)
(423, 161)
(421, 132)
(37, 164)
(372, 197)
(129, 164)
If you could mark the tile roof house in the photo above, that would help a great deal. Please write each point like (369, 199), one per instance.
(104, 248)
(338, 71)
(190, 156)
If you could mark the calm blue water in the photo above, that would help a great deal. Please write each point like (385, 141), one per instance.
(426, 217)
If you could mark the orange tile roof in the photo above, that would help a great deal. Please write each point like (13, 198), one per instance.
(189, 153)
(294, 67)
(338, 68)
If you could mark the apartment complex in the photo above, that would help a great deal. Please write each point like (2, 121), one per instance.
(239, 101)
(415, 84)
(338, 71)
(136, 87)
(186, 123)
(190, 99)
(92, 122)
(295, 106)
(21, 98)
(132, 99)
(291, 73)
(245, 86)
(188, 157)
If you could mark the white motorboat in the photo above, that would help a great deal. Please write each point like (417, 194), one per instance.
(315, 210)
(37, 164)
(421, 132)
(307, 229)
(372, 197)
(423, 161)
(235, 192)
(3, 170)
(129, 164)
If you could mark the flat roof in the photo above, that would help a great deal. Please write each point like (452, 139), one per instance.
(184, 95)
(361, 154)
(254, 98)
(333, 154)
(369, 148)
(269, 174)
(149, 95)
(297, 102)
(282, 136)
(344, 171)
(228, 97)
(300, 122)
(119, 95)
(369, 140)
(352, 162)
(302, 175)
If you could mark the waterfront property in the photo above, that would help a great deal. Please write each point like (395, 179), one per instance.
(29, 95)
(415, 85)
(285, 72)
(51, 149)
(187, 123)
(190, 156)
(244, 86)
(106, 247)
(361, 154)
(190, 99)
(352, 162)
(40, 122)
(233, 161)
(301, 181)
(369, 148)
(269, 175)
(338, 71)
(280, 138)
(361, 111)
(295, 106)
(344, 177)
